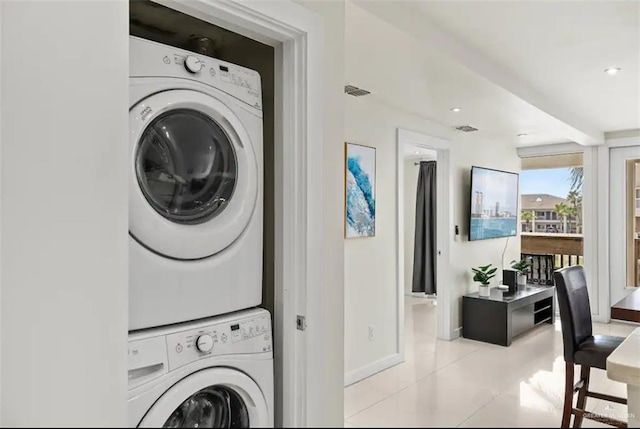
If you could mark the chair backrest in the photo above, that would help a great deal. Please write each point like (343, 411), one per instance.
(575, 311)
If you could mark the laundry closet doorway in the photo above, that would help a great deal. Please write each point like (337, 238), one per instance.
(296, 36)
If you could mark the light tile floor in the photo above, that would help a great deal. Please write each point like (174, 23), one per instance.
(466, 383)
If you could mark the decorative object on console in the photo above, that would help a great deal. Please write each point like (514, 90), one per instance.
(522, 267)
(483, 275)
(360, 189)
(509, 278)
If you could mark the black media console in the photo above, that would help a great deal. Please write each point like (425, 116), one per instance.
(498, 318)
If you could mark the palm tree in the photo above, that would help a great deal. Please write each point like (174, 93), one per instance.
(574, 198)
(570, 213)
(563, 211)
(527, 217)
(576, 177)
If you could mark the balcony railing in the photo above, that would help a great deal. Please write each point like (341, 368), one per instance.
(563, 250)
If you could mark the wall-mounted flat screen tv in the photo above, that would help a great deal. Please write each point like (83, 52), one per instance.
(494, 204)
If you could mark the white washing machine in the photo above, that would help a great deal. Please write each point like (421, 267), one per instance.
(195, 194)
(210, 374)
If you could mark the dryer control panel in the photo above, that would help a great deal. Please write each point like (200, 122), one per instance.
(155, 352)
(151, 59)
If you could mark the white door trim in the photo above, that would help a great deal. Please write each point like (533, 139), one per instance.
(593, 241)
(446, 300)
(618, 233)
(297, 36)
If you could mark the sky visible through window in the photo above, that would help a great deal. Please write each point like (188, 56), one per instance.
(552, 181)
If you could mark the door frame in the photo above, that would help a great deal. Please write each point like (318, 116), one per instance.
(618, 241)
(445, 220)
(297, 37)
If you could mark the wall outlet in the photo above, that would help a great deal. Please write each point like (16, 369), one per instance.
(372, 332)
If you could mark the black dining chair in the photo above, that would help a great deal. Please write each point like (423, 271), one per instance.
(581, 347)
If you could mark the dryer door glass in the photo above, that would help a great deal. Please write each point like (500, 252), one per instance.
(213, 407)
(186, 166)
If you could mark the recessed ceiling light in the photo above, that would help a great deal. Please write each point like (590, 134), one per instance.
(455, 109)
(613, 70)
(522, 134)
(417, 151)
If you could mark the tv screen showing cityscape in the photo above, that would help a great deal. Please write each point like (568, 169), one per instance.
(494, 204)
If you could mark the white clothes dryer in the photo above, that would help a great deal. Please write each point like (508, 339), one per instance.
(195, 194)
(210, 374)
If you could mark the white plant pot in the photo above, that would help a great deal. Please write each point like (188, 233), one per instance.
(522, 280)
(484, 290)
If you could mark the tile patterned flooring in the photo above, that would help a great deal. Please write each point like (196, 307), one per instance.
(465, 383)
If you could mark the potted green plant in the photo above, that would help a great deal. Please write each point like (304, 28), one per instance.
(483, 275)
(522, 267)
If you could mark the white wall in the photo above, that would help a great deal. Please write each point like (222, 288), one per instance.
(64, 213)
(373, 61)
(328, 406)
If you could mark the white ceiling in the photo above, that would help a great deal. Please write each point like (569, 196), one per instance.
(561, 48)
(534, 67)
(419, 153)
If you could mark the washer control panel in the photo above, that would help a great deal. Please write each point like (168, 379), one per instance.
(153, 59)
(155, 352)
(248, 335)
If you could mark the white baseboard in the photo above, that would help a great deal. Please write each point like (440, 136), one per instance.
(372, 368)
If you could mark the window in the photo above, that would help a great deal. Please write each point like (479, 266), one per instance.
(552, 186)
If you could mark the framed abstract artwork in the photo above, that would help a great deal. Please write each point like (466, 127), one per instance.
(360, 191)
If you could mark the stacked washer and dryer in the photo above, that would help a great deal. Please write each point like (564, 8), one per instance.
(197, 356)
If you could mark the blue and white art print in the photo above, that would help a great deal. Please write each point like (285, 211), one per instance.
(360, 198)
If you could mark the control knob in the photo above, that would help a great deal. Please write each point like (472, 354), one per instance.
(192, 64)
(204, 343)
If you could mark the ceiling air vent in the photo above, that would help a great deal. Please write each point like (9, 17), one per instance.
(466, 128)
(355, 91)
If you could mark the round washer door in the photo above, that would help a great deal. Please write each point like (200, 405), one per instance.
(210, 398)
(194, 179)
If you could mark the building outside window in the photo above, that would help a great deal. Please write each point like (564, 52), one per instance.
(551, 208)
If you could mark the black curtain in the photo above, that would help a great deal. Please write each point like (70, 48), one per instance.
(424, 253)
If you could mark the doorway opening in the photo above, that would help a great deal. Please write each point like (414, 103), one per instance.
(633, 222)
(624, 222)
(551, 215)
(420, 244)
(424, 205)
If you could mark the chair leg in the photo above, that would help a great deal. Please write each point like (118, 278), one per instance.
(585, 371)
(568, 395)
